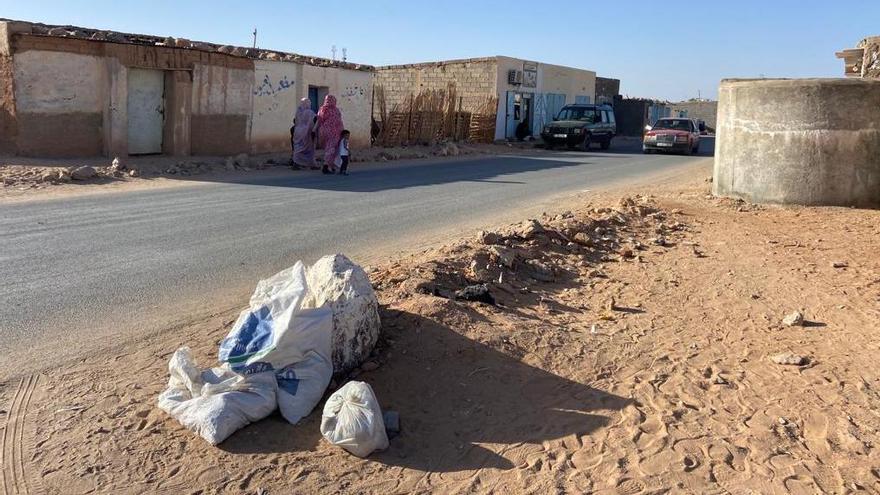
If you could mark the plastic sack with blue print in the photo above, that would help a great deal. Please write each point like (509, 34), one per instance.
(278, 332)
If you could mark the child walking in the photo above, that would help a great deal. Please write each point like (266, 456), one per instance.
(344, 153)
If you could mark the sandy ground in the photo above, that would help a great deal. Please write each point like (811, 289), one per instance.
(641, 364)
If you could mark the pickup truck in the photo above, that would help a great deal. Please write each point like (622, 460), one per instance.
(579, 126)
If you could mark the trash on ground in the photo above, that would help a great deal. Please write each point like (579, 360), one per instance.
(353, 420)
(477, 293)
(215, 403)
(278, 333)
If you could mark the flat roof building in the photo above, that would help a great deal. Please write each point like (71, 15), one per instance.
(70, 91)
(527, 92)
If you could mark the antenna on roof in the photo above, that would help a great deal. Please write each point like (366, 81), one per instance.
(255, 37)
(344, 54)
(333, 51)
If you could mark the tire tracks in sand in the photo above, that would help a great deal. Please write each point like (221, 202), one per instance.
(13, 471)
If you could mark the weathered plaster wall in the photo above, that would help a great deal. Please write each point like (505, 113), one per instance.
(353, 91)
(799, 141)
(275, 98)
(59, 103)
(78, 89)
(221, 106)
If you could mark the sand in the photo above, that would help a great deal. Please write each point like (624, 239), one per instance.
(641, 368)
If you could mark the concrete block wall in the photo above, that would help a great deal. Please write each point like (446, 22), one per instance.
(474, 80)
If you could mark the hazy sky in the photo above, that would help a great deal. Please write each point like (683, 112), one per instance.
(661, 49)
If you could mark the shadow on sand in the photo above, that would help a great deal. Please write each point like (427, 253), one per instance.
(453, 394)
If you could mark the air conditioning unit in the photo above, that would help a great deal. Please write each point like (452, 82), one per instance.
(514, 76)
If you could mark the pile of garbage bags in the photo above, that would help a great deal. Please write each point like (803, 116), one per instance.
(301, 326)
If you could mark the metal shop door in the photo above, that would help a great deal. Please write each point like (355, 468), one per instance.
(146, 111)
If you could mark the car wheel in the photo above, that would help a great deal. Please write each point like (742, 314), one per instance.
(585, 146)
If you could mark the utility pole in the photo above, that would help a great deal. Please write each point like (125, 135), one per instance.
(344, 54)
(333, 51)
(255, 37)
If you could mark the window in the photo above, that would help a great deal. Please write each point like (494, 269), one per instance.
(675, 124)
(584, 114)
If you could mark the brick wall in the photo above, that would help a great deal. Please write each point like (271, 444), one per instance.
(474, 80)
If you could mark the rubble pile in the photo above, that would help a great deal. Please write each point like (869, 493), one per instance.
(552, 250)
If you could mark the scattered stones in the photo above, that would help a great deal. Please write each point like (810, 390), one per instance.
(794, 319)
(488, 238)
(476, 293)
(242, 160)
(790, 359)
(583, 239)
(529, 229)
(116, 165)
(540, 271)
(839, 264)
(83, 173)
(134, 172)
(506, 256)
(50, 176)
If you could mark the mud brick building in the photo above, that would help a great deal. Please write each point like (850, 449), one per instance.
(525, 90)
(69, 91)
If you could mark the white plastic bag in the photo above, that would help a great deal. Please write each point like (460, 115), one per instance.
(353, 420)
(278, 333)
(217, 402)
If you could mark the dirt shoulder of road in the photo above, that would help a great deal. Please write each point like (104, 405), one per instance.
(635, 347)
(23, 179)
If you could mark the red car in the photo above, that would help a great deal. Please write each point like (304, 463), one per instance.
(677, 135)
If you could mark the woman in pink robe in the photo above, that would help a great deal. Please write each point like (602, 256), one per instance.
(329, 131)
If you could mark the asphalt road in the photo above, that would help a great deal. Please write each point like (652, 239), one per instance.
(79, 273)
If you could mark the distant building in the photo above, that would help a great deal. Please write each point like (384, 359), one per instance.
(863, 60)
(705, 110)
(527, 92)
(69, 91)
(607, 90)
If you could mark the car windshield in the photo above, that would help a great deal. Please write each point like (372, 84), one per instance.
(674, 124)
(586, 114)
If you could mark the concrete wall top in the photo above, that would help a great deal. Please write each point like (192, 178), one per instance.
(799, 141)
(810, 104)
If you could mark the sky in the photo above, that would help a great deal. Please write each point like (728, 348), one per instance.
(671, 50)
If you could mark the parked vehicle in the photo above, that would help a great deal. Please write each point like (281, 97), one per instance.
(580, 125)
(676, 135)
